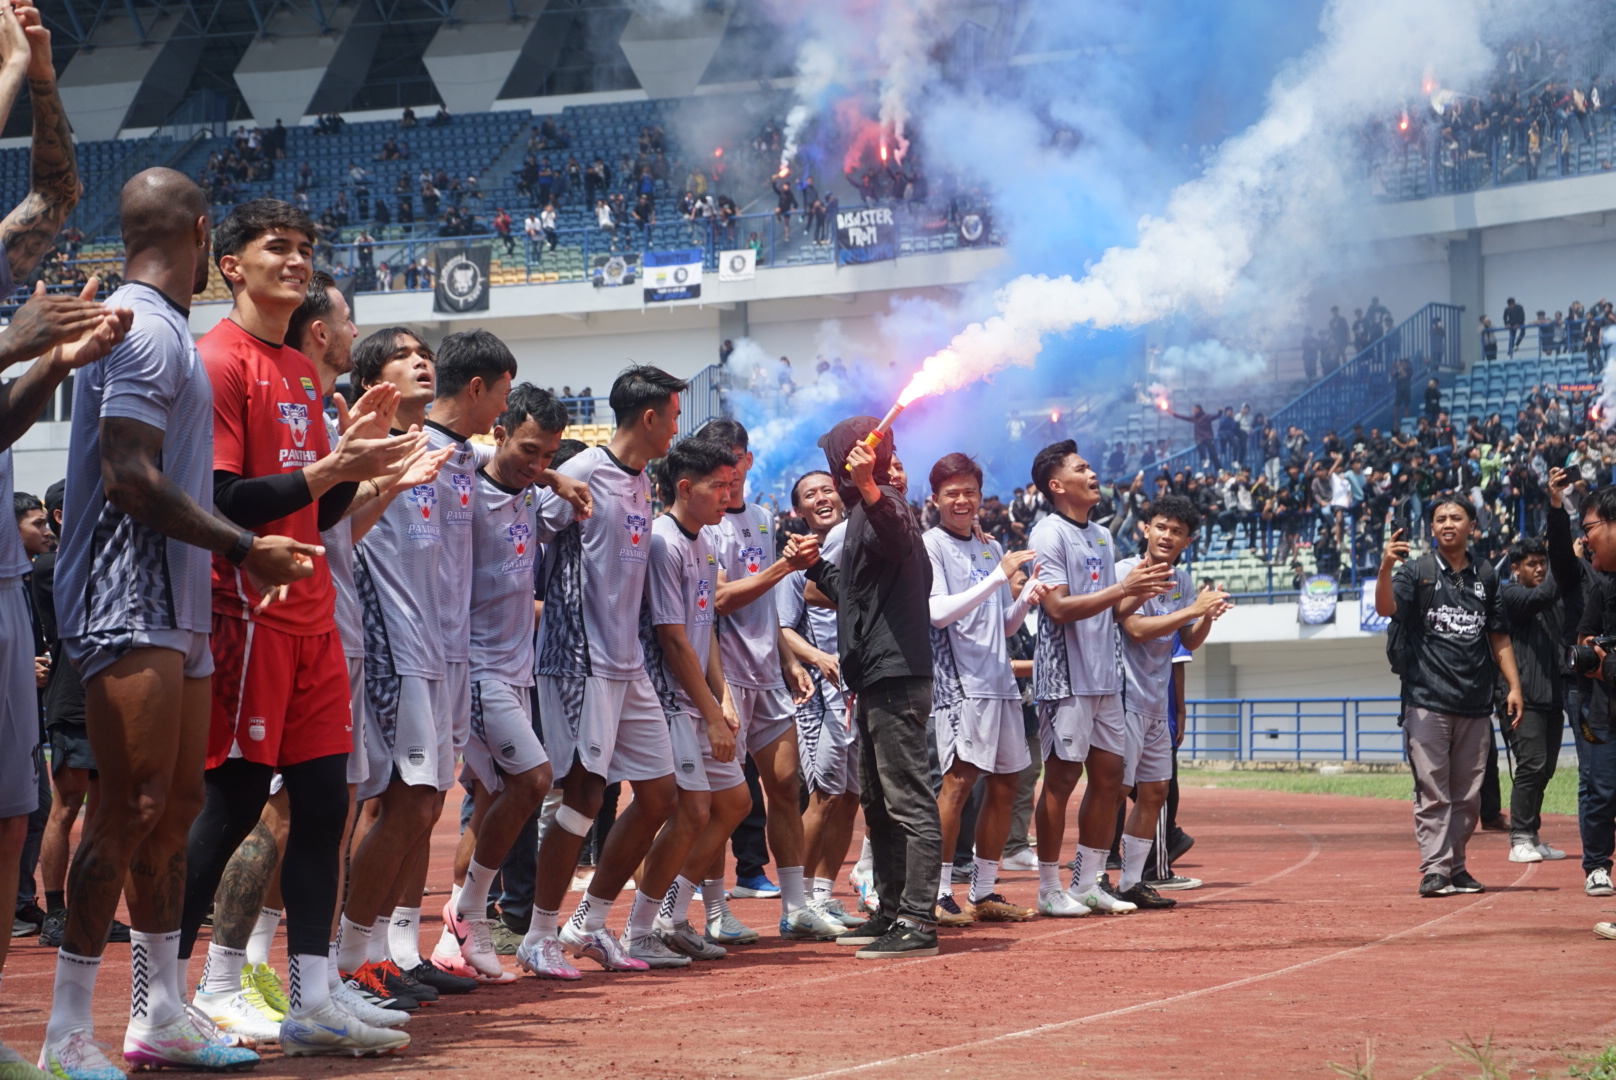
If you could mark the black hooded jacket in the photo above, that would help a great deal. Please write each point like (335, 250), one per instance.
(883, 584)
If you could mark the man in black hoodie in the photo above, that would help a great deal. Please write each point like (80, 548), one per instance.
(880, 591)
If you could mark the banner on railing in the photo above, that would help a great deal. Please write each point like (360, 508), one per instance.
(1370, 621)
(868, 234)
(975, 227)
(614, 269)
(737, 265)
(1315, 605)
(672, 275)
(462, 279)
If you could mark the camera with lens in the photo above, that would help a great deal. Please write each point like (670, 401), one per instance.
(1582, 660)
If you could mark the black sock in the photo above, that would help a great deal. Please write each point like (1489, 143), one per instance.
(55, 901)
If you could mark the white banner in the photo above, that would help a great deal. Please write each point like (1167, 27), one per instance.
(737, 265)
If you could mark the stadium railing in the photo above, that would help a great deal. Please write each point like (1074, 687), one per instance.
(1293, 729)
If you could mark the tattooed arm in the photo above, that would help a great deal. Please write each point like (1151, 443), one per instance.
(29, 230)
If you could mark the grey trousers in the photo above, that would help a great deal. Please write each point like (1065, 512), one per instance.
(1021, 809)
(906, 836)
(1448, 754)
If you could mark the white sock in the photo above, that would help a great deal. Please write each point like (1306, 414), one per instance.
(542, 926)
(591, 913)
(866, 857)
(1135, 850)
(791, 894)
(1048, 877)
(675, 907)
(263, 935)
(404, 937)
(223, 972)
(473, 900)
(72, 995)
(984, 876)
(1086, 869)
(152, 1001)
(712, 898)
(945, 883)
(376, 953)
(642, 914)
(353, 945)
(824, 888)
(331, 978)
(307, 987)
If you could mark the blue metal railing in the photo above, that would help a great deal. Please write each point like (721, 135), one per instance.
(1294, 729)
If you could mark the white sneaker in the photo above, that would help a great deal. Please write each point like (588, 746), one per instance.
(1060, 905)
(808, 924)
(78, 1056)
(726, 929)
(684, 940)
(602, 947)
(1598, 883)
(1549, 853)
(331, 1029)
(477, 950)
(546, 960)
(834, 910)
(352, 1001)
(1097, 899)
(1026, 859)
(654, 953)
(238, 1017)
(184, 1043)
(1525, 851)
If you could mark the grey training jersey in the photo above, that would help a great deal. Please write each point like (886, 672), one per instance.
(595, 576)
(682, 591)
(13, 558)
(749, 638)
(1076, 658)
(338, 541)
(457, 482)
(398, 582)
(970, 658)
(114, 573)
(507, 528)
(1148, 665)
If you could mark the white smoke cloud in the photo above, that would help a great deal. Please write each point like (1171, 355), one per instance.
(1240, 241)
(818, 68)
(1211, 363)
(904, 44)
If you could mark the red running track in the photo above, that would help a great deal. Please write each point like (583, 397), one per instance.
(1308, 940)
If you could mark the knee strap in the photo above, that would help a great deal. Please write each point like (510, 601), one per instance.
(574, 822)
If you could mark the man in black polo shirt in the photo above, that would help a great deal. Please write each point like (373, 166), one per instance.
(1455, 640)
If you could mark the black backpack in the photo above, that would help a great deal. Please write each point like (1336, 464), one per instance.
(1399, 643)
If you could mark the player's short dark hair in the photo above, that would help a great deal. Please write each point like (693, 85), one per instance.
(316, 305)
(796, 499)
(527, 400)
(642, 387)
(954, 465)
(1451, 499)
(1527, 547)
(1602, 501)
(55, 499)
(725, 432)
(23, 504)
(1048, 460)
(373, 353)
(253, 219)
(468, 355)
(566, 451)
(692, 459)
(1177, 508)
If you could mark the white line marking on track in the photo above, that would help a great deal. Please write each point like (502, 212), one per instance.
(1043, 1029)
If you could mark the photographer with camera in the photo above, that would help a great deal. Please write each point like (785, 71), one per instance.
(1536, 626)
(1448, 641)
(1591, 660)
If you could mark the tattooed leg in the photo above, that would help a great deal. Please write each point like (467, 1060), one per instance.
(241, 891)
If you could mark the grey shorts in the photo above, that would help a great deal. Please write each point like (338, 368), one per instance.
(988, 733)
(1072, 726)
(408, 734)
(358, 761)
(1149, 758)
(70, 747)
(457, 702)
(94, 653)
(19, 705)
(694, 767)
(615, 728)
(765, 715)
(503, 741)
(827, 752)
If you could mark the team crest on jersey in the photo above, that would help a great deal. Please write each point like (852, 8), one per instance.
(462, 487)
(979, 574)
(517, 535)
(296, 417)
(635, 524)
(1093, 565)
(704, 594)
(308, 388)
(424, 497)
(753, 558)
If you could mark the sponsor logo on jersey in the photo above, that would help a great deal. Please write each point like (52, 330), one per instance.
(1100, 540)
(1481, 590)
(1093, 563)
(507, 748)
(979, 574)
(752, 558)
(687, 766)
(308, 388)
(296, 459)
(295, 415)
(461, 482)
(711, 559)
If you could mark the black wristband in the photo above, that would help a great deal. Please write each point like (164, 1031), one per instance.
(238, 554)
